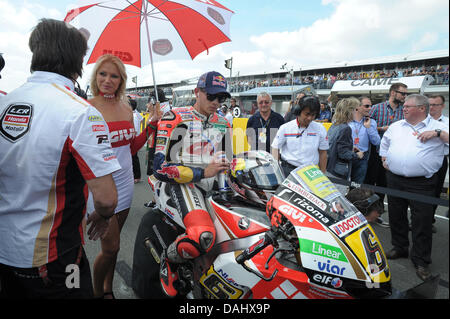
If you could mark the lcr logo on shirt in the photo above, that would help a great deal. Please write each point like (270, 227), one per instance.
(15, 121)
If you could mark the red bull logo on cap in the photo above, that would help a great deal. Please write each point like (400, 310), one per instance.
(219, 80)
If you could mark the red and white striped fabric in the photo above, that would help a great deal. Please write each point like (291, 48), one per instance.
(177, 28)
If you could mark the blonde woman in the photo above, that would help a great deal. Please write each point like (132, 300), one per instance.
(108, 85)
(342, 152)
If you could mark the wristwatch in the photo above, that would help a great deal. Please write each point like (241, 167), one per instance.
(438, 131)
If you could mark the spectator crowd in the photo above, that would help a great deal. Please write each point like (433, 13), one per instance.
(326, 80)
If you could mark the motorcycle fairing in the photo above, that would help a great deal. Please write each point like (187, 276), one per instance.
(321, 252)
(218, 285)
(236, 224)
(164, 201)
(370, 253)
(289, 283)
(340, 219)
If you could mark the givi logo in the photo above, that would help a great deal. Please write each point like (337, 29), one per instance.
(293, 212)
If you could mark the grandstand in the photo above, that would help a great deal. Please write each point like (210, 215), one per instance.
(323, 77)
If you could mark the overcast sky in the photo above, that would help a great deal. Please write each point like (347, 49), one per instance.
(265, 34)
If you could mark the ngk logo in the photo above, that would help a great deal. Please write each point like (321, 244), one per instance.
(293, 212)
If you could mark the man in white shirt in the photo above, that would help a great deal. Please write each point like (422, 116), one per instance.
(52, 145)
(302, 141)
(412, 151)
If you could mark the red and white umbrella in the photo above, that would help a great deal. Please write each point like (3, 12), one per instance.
(144, 31)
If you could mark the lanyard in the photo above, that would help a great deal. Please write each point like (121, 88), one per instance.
(267, 123)
(300, 133)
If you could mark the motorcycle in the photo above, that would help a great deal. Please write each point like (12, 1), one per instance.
(292, 238)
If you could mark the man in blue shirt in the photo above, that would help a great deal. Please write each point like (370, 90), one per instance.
(325, 113)
(364, 133)
(262, 126)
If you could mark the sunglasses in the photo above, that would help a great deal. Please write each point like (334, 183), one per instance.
(402, 93)
(212, 97)
(366, 105)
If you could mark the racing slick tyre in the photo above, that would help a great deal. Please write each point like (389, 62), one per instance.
(145, 272)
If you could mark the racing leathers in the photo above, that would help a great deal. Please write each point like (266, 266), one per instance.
(185, 144)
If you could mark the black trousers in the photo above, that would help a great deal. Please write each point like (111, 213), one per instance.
(136, 166)
(421, 216)
(150, 157)
(64, 282)
(376, 173)
(441, 179)
(286, 167)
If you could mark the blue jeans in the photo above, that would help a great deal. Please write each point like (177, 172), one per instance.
(359, 168)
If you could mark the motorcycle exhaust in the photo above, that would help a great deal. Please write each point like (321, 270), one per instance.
(148, 244)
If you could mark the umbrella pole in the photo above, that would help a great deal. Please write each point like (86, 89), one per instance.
(150, 50)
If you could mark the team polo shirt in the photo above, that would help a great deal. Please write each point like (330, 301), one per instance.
(300, 146)
(51, 141)
(406, 155)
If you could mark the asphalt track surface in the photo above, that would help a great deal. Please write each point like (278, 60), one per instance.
(403, 272)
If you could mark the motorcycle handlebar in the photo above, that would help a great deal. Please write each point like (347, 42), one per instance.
(250, 252)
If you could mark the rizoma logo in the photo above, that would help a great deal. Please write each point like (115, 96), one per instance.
(291, 211)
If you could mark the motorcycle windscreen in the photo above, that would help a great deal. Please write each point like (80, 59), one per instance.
(264, 176)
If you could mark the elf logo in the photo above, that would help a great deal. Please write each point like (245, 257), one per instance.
(335, 282)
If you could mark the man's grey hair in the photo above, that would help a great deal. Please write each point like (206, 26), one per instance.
(420, 100)
(262, 94)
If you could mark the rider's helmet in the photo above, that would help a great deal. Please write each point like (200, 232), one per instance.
(255, 175)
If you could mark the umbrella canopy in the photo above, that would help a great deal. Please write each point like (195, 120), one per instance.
(172, 29)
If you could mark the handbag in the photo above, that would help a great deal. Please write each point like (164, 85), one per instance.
(342, 169)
